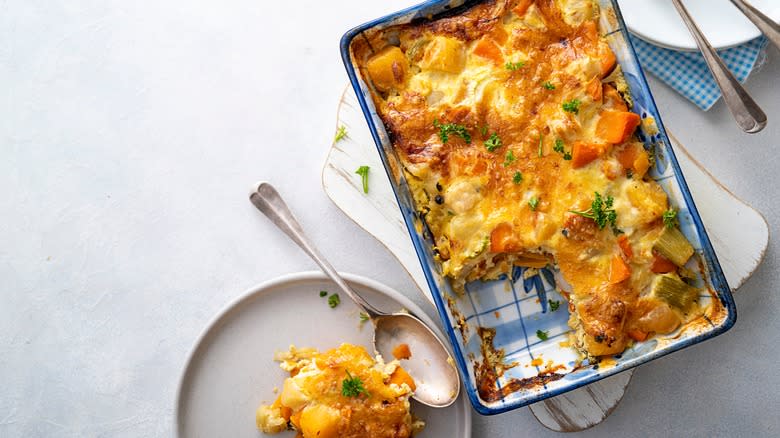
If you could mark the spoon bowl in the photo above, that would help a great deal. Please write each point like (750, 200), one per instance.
(430, 364)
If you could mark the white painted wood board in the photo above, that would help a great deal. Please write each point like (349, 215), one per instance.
(738, 232)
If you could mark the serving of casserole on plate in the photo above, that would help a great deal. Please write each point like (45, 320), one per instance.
(527, 155)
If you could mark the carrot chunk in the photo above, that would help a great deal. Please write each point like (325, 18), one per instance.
(620, 270)
(522, 7)
(502, 239)
(641, 164)
(617, 126)
(487, 48)
(584, 153)
(662, 265)
(613, 100)
(400, 376)
(625, 246)
(608, 60)
(594, 89)
(634, 157)
(627, 155)
(499, 34)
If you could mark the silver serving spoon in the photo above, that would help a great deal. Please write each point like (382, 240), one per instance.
(437, 380)
(762, 22)
(749, 116)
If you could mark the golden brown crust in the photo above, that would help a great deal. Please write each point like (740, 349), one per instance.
(522, 89)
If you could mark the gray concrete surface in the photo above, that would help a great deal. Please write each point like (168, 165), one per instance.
(130, 132)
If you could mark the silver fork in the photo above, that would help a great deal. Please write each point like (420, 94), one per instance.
(749, 116)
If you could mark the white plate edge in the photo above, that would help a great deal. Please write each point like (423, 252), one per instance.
(306, 276)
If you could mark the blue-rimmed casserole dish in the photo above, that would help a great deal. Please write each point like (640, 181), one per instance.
(515, 313)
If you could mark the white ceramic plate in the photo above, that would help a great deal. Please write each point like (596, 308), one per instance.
(657, 22)
(231, 371)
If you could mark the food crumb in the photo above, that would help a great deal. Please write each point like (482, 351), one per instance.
(275, 390)
(497, 314)
(402, 351)
(537, 362)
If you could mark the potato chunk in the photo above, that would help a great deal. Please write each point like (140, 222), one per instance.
(388, 69)
(444, 54)
(269, 419)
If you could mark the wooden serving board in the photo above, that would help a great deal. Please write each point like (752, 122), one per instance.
(738, 232)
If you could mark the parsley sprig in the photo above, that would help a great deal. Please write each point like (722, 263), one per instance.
(548, 85)
(451, 128)
(341, 133)
(558, 147)
(493, 143)
(541, 145)
(509, 158)
(670, 218)
(554, 305)
(542, 335)
(533, 203)
(352, 386)
(572, 106)
(601, 212)
(517, 178)
(363, 172)
(512, 66)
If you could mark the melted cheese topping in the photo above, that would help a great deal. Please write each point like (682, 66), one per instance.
(312, 401)
(532, 74)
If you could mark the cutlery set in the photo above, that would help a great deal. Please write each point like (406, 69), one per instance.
(748, 115)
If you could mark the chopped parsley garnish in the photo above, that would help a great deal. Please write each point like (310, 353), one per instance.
(601, 212)
(364, 317)
(483, 130)
(541, 144)
(509, 159)
(340, 133)
(548, 85)
(554, 305)
(323, 293)
(533, 203)
(363, 172)
(352, 386)
(541, 335)
(493, 143)
(572, 106)
(517, 178)
(558, 147)
(514, 65)
(670, 218)
(452, 128)
(334, 301)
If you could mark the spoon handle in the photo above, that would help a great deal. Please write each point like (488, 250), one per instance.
(270, 203)
(747, 113)
(765, 24)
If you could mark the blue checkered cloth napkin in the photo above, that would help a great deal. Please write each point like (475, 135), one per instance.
(687, 72)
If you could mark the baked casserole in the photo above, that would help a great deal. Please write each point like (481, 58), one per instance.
(514, 130)
(341, 393)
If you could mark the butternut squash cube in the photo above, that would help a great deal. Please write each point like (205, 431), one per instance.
(444, 54)
(388, 69)
(320, 421)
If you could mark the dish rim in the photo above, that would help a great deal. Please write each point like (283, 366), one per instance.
(264, 287)
(716, 276)
(690, 45)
